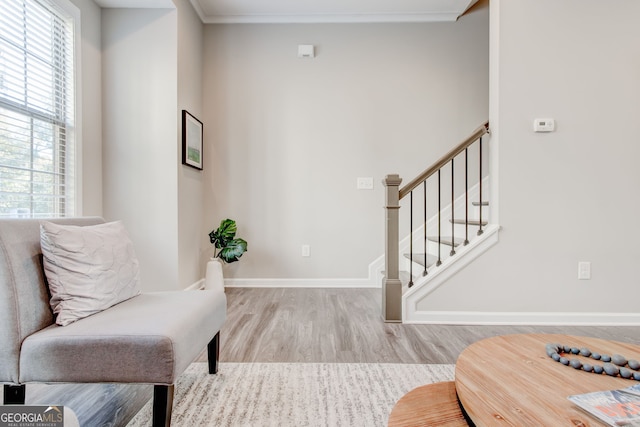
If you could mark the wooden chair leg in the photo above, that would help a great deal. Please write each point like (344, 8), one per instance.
(162, 405)
(213, 353)
(14, 394)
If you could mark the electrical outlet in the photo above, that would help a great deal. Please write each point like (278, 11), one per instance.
(584, 270)
(365, 183)
(306, 250)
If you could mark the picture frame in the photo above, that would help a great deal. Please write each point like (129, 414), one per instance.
(192, 132)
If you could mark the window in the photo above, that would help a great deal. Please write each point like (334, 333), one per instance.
(37, 108)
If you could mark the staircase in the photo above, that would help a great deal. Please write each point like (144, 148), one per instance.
(445, 211)
(447, 244)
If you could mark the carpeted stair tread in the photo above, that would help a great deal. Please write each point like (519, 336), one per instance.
(418, 258)
(404, 278)
(471, 221)
(446, 240)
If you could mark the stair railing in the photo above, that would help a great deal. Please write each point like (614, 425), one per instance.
(391, 284)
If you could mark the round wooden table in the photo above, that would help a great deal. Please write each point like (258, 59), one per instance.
(429, 405)
(509, 380)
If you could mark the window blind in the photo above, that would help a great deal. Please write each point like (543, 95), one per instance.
(36, 110)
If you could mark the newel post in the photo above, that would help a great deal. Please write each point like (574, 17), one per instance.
(391, 285)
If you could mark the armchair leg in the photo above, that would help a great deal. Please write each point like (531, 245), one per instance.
(14, 394)
(213, 353)
(162, 405)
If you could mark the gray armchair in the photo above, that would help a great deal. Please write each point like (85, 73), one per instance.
(150, 338)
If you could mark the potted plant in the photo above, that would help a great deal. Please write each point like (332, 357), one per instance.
(227, 249)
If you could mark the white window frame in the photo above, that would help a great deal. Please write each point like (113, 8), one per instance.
(73, 129)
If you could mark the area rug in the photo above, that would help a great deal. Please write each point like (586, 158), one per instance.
(294, 394)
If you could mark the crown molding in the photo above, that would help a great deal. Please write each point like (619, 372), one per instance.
(137, 4)
(325, 18)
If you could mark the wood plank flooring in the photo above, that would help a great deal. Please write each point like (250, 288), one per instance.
(305, 325)
(345, 325)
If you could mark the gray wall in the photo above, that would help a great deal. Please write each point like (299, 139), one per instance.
(152, 70)
(566, 196)
(91, 109)
(192, 241)
(140, 128)
(286, 138)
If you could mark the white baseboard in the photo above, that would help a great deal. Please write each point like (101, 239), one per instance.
(448, 317)
(196, 286)
(373, 281)
(300, 283)
(530, 318)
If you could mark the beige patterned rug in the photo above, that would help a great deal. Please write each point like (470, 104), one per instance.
(294, 394)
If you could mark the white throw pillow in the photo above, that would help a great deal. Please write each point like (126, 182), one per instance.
(89, 268)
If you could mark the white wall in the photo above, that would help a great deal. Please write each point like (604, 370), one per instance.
(570, 195)
(192, 241)
(140, 158)
(286, 138)
(91, 113)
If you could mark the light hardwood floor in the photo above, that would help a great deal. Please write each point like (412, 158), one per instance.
(345, 325)
(306, 325)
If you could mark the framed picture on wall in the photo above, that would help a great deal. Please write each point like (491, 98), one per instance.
(191, 141)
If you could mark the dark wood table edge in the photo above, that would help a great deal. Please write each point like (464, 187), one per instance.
(464, 413)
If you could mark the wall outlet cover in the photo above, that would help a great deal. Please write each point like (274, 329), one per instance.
(364, 183)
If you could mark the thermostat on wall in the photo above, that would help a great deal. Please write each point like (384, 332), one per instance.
(306, 51)
(544, 125)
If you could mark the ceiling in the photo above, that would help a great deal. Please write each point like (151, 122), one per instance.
(311, 11)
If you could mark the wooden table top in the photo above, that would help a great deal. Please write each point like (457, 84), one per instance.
(509, 380)
(429, 405)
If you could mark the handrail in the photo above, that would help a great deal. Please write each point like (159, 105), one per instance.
(481, 130)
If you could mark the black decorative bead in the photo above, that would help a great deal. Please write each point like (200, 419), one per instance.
(616, 365)
(619, 360)
(611, 369)
(625, 373)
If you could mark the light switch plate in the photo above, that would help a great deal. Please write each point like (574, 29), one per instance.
(306, 51)
(365, 183)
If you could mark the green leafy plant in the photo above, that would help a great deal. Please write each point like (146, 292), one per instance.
(227, 247)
